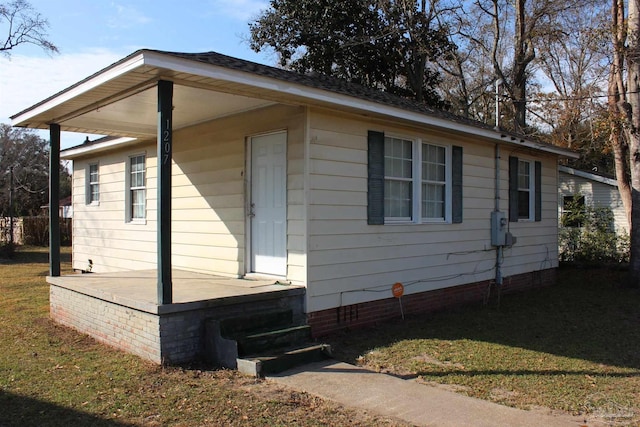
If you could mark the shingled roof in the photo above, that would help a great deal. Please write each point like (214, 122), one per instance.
(264, 76)
(314, 80)
(336, 85)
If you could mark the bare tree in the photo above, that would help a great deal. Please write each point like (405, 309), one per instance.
(22, 24)
(624, 101)
(468, 71)
(576, 68)
(504, 36)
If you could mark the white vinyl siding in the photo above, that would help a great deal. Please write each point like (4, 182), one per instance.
(103, 235)
(352, 262)
(330, 247)
(208, 204)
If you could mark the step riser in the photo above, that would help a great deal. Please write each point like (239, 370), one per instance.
(240, 326)
(259, 367)
(288, 361)
(275, 339)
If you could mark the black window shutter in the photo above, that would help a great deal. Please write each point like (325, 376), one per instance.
(513, 189)
(375, 178)
(538, 190)
(456, 185)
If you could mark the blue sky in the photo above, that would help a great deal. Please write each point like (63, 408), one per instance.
(94, 34)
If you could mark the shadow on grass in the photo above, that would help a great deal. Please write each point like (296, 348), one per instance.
(25, 411)
(35, 255)
(588, 315)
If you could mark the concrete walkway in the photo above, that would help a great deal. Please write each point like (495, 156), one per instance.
(407, 400)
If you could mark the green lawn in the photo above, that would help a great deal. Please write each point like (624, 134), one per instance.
(53, 376)
(573, 347)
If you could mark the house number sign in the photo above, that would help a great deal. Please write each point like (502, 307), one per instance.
(166, 140)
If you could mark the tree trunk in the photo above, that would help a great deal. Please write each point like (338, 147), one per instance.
(633, 130)
(616, 97)
(523, 55)
(621, 156)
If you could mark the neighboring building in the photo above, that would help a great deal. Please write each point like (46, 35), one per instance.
(309, 180)
(66, 208)
(593, 190)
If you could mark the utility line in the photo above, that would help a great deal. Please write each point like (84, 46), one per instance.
(576, 98)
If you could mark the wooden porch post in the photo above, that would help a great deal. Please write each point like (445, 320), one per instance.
(54, 200)
(165, 139)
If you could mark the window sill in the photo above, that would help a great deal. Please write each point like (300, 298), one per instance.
(429, 222)
(137, 222)
(93, 204)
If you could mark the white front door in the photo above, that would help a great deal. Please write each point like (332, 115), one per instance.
(269, 204)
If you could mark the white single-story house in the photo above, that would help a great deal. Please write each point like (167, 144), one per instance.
(216, 167)
(593, 190)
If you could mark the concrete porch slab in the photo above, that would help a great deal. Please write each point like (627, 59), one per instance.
(191, 291)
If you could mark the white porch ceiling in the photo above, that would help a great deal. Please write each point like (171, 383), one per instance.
(122, 100)
(137, 116)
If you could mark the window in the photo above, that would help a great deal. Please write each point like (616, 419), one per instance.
(573, 211)
(434, 181)
(525, 196)
(137, 189)
(398, 180)
(93, 184)
(412, 181)
(525, 190)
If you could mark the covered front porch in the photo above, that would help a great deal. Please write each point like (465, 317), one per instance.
(121, 309)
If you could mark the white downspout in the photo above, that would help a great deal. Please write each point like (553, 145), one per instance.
(496, 198)
(496, 208)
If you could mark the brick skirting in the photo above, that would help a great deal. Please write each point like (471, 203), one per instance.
(371, 313)
(172, 337)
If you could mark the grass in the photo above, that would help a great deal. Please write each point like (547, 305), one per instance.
(53, 376)
(572, 347)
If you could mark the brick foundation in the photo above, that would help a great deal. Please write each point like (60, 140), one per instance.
(371, 313)
(130, 330)
(172, 336)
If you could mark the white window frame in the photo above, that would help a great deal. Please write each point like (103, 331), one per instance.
(416, 205)
(531, 189)
(129, 190)
(90, 184)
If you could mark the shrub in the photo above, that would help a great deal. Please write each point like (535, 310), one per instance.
(36, 231)
(594, 241)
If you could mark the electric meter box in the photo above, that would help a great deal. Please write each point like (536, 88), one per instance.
(498, 228)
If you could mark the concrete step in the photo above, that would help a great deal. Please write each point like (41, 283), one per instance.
(271, 363)
(234, 327)
(273, 339)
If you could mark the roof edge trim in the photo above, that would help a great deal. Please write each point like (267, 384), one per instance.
(79, 150)
(587, 175)
(114, 70)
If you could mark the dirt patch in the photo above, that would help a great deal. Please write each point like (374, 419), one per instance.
(425, 358)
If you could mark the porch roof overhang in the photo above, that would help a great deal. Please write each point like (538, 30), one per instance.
(121, 100)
